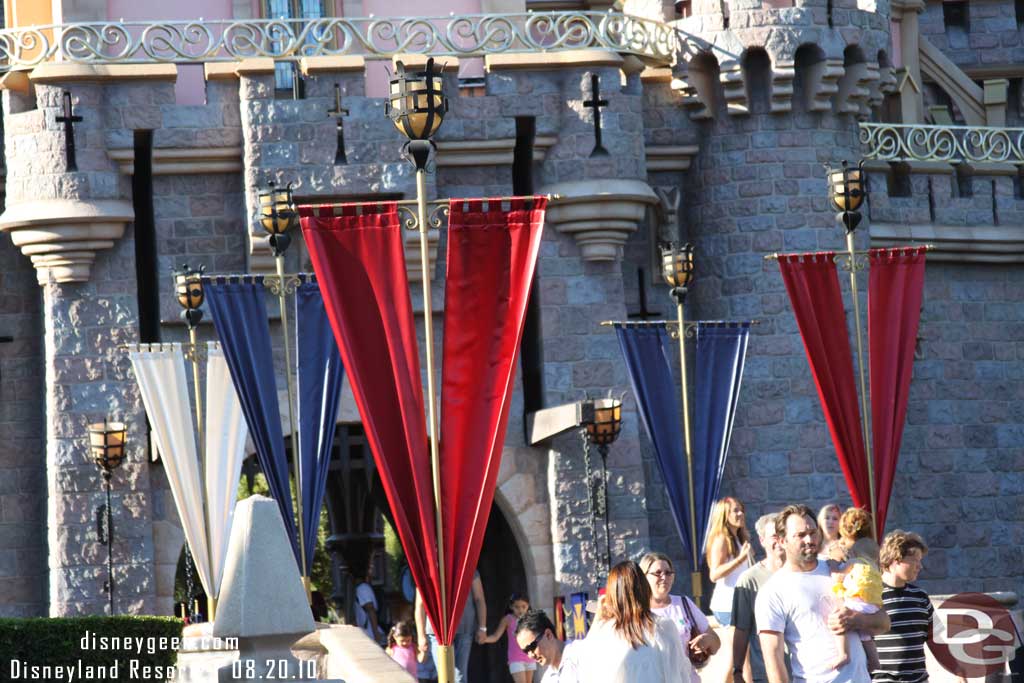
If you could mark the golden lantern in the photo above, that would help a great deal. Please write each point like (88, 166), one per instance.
(188, 290)
(846, 189)
(607, 422)
(106, 445)
(416, 102)
(278, 216)
(677, 264)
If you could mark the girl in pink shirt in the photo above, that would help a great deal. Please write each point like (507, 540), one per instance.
(520, 665)
(400, 646)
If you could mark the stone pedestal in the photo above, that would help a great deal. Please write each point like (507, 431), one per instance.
(262, 600)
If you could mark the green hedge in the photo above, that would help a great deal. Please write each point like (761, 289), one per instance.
(28, 645)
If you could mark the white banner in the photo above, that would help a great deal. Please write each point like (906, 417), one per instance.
(160, 371)
(225, 450)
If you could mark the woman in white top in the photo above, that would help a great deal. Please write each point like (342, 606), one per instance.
(729, 554)
(691, 623)
(628, 643)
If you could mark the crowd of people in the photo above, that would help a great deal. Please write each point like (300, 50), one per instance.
(824, 604)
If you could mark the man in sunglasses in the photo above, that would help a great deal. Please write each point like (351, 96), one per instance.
(535, 635)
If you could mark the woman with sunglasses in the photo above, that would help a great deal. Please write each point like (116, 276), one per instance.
(628, 643)
(694, 630)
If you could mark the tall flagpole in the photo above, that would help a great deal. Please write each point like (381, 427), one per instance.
(278, 216)
(417, 105)
(863, 385)
(296, 455)
(189, 292)
(677, 271)
(446, 655)
(695, 578)
(846, 194)
(194, 355)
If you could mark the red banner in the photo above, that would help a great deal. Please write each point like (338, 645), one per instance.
(813, 286)
(895, 292)
(491, 257)
(360, 265)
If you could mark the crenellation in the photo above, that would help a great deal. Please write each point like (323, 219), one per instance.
(854, 89)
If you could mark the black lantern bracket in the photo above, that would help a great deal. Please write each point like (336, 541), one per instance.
(847, 191)
(188, 291)
(278, 216)
(417, 106)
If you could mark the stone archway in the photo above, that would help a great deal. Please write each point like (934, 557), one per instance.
(522, 497)
(516, 555)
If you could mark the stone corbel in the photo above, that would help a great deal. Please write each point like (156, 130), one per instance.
(783, 73)
(734, 88)
(700, 107)
(887, 84)
(62, 236)
(823, 81)
(855, 89)
(600, 214)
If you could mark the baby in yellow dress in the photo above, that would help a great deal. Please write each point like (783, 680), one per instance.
(859, 586)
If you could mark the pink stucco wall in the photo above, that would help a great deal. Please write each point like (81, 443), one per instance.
(376, 71)
(190, 87)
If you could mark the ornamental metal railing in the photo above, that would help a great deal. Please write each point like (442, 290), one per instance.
(136, 42)
(952, 144)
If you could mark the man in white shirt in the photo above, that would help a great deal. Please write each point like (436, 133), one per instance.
(536, 637)
(365, 608)
(797, 608)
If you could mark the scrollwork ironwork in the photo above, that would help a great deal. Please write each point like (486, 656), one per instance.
(690, 329)
(273, 284)
(410, 221)
(952, 144)
(134, 42)
(857, 262)
(436, 219)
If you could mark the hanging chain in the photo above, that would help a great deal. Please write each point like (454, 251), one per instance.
(592, 501)
(603, 506)
(189, 585)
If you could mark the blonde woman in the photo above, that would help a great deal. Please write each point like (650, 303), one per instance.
(729, 553)
(828, 528)
(856, 537)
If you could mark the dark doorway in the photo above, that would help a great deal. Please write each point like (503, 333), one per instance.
(356, 510)
(502, 573)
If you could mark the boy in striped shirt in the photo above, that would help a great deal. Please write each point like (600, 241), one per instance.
(901, 650)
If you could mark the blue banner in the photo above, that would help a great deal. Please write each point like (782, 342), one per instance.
(657, 400)
(239, 313)
(320, 376)
(721, 350)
